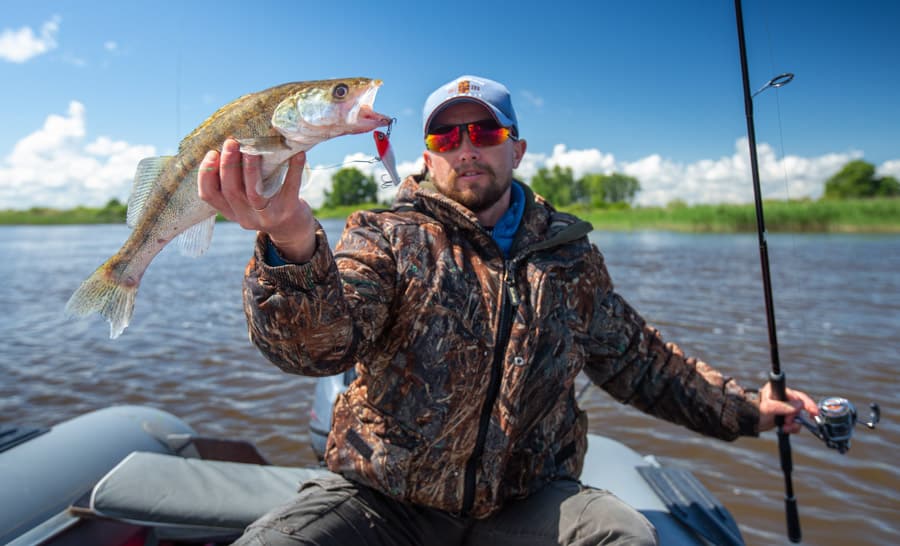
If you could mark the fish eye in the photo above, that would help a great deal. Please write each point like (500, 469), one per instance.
(340, 91)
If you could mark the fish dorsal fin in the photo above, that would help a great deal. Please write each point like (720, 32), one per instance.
(263, 103)
(145, 179)
(195, 240)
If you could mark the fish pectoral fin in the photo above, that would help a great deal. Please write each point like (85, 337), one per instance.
(270, 185)
(263, 145)
(145, 180)
(195, 240)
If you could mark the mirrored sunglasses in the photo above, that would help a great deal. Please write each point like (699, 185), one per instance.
(446, 138)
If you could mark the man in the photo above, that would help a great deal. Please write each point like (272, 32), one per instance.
(468, 309)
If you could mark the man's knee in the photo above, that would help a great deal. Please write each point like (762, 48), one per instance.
(308, 517)
(602, 518)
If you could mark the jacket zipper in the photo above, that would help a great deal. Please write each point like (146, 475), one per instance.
(509, 300)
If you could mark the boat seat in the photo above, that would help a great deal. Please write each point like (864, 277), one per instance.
(188, 498)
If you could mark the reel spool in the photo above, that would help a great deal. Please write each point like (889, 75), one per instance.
(836, 420)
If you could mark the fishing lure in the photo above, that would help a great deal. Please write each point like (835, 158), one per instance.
(386, 154)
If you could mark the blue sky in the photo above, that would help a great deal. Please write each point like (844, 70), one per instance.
(650, 88)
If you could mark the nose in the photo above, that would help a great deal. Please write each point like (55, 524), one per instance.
(467, 150)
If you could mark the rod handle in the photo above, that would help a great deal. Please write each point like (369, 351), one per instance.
(793, 519)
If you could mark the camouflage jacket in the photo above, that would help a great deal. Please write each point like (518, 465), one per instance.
(466, 360)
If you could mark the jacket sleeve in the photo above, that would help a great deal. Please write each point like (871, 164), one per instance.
(630, 360)
(313, 318)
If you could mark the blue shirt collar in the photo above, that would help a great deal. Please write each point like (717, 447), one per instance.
(505, 230)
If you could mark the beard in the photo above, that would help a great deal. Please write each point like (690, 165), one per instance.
(474, 199)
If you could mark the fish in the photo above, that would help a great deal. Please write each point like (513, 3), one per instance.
(386, 155)
(275, 123)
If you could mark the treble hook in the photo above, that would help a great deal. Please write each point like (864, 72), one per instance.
(778, 81)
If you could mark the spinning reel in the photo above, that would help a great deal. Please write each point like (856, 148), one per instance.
(835, 422)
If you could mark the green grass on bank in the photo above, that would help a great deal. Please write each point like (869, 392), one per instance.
(851, 216)
(78, 215)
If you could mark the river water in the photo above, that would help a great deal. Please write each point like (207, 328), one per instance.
(837, 301)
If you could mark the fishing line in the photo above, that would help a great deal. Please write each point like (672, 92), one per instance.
(369, 161)
(779, 81)
(179, 31)
(787, 192)
(385, 182)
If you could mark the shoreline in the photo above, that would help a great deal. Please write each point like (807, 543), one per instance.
(876, 216)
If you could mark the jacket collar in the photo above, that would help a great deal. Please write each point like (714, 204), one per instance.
(537, 226)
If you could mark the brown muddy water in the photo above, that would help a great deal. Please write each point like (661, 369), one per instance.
(837, 300)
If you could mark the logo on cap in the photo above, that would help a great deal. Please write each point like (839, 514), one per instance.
(465, 87)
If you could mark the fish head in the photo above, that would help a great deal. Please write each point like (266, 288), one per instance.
(328, 108)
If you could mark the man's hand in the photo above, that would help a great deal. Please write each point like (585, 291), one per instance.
(227, 181)
(769, 407)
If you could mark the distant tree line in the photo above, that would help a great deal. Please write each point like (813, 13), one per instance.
(558, 185)
(349, 186)
(857, 180)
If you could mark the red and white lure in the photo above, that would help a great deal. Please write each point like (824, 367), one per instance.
(386, 154)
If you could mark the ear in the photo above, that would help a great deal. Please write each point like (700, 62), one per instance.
(427, 157)
(519, 148)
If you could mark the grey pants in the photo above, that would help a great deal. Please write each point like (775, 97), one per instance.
(335, 511)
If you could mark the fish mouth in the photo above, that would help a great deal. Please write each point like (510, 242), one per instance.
(362, 116)
(369, 119)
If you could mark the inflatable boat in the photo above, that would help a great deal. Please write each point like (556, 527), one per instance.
(135, 475)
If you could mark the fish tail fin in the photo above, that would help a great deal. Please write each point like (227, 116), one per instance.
(100, 294)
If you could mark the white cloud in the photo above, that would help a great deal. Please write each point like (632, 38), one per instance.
(20, 45)
(723, 180)
(581, 161)
(56, 167)
(889, 168)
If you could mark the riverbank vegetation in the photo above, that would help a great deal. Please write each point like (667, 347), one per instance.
(854, 201)
(880, 215)
(877, 215)
(112, 213)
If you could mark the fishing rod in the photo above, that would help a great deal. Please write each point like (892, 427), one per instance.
(776, 376)
(837, 416)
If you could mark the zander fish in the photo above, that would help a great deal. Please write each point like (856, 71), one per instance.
(275, 123)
